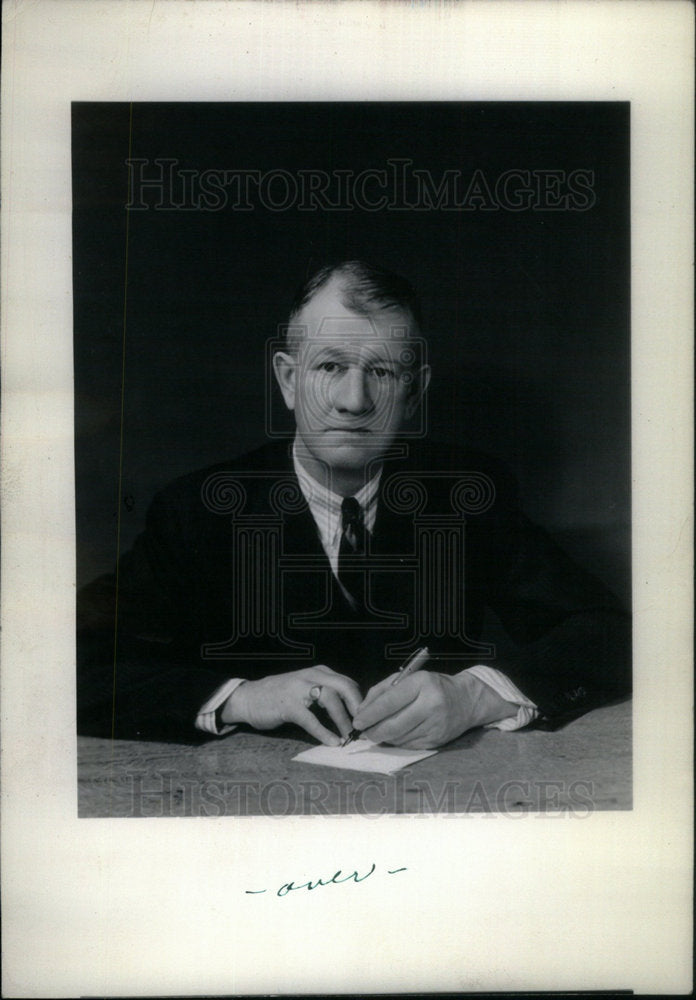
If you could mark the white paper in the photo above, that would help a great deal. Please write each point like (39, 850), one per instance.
(363, 755)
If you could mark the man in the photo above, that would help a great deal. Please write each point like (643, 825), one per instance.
(285, 587)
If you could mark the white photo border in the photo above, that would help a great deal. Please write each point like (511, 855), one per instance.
(158, 906)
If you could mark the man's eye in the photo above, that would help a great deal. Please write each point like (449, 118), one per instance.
(382, 373)
(328, 366)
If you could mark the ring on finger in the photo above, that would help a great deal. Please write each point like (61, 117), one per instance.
(313, 696)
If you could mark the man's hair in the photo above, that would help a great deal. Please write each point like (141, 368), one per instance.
(364, 288)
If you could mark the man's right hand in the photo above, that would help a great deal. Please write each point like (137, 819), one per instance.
(273, 701)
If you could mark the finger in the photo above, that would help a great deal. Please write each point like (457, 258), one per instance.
(396, 727)
(381, 733)
(376, 690)
(392, 698)
(418, 738)
(331, 701)
(350, 693)
(304, 718)
(399, 725)
(346, 686)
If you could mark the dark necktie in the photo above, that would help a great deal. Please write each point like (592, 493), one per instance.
(352, 579)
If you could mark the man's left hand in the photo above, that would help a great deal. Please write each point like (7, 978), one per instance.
(426, 710)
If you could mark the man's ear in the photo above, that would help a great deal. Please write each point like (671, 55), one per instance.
(417, 389)
(285, 371)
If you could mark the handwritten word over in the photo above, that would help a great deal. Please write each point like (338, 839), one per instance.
(338, 878)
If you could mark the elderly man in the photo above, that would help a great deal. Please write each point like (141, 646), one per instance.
(286, 586)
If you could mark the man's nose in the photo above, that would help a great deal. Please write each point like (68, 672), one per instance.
(352, 391)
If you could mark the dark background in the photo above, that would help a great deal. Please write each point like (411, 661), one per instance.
(527, 312)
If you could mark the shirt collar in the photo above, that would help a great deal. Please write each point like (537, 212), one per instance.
(328, 503)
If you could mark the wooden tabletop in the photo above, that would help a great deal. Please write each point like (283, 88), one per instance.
(583, 767)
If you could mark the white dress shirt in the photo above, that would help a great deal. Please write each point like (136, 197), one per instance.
(325, 508)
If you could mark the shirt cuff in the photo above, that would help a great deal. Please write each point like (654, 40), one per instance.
(205, 720)
(526, 710)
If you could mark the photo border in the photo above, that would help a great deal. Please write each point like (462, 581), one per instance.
(159, 907)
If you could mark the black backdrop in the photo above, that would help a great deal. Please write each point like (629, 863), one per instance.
(527, 310)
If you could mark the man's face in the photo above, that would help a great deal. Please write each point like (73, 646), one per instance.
(351, 384)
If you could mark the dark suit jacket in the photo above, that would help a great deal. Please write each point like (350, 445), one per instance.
(229, 579)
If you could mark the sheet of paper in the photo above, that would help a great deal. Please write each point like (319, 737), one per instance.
(362, 755)
(106, 907)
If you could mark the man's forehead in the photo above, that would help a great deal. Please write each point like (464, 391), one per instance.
(356, 329)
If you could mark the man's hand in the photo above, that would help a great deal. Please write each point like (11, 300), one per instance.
(272, 701)
(426, 709)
